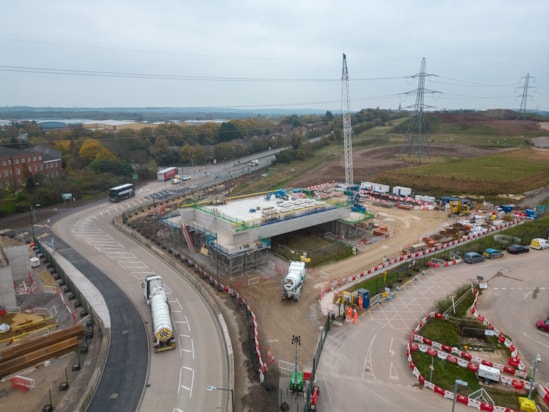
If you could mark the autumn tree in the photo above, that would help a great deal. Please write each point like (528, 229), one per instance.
(92, 149)
(193, 155)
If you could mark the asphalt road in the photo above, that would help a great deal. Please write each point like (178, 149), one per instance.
(176, 380)
(364, 367)
(125, 372)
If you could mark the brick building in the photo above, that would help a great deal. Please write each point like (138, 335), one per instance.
(16, 165)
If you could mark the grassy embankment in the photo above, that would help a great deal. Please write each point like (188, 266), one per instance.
(511, 172)
(514, 171)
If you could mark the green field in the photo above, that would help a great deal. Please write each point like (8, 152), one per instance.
(515, 171)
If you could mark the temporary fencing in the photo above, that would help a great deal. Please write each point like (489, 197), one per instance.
(515, 368)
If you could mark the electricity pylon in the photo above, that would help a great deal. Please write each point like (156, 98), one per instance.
(524, 99)
(415, 135)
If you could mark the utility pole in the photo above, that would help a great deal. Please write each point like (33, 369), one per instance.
(347, 131)
(533, 377)
(415, 135)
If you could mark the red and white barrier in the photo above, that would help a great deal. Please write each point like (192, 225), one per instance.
(464, 359)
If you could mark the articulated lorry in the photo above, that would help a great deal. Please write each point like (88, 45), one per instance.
(155, 296)
(166, 174)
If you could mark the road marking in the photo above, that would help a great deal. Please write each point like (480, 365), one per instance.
(189, 388)
(191, 350)
(367, 368)
(392, 372)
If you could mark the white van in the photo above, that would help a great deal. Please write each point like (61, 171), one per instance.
(488, 374)
(539, 243)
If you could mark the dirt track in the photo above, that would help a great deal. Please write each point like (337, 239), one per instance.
(279, 320)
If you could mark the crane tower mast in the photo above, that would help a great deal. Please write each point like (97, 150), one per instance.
(347, 131)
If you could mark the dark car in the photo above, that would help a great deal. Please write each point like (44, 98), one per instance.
(543, 325)
(516, 249)
(473, 257)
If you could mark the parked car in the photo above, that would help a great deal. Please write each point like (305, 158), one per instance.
(517, 249)
(176, 179)
(543, 325)
(473, 257)
(186, 177)
(492, 253)
(539, 243)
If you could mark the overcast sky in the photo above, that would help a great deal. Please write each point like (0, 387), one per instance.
(281, 53)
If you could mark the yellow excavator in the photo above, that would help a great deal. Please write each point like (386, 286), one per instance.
(460, 207)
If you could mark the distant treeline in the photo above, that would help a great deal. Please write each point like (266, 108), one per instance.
(146, 114)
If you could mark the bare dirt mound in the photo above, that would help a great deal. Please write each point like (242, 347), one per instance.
(369, 163)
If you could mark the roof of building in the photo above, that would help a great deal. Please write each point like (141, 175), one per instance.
(47, 153)
(249, 209)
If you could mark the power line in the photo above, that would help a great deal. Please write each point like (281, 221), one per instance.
(99, 73)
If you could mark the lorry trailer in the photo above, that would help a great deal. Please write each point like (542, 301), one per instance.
(166, 174)
(155, 296)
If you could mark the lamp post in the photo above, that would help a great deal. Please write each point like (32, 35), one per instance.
(458, 382)
(216, 388)
(32, 218)
(296, 340)
(534, 367)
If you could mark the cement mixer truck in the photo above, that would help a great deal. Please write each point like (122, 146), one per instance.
(155, 296)
(293, 281)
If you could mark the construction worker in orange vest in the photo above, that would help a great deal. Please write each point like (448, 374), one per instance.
(360, 302)
(355, 316)
(349, 312)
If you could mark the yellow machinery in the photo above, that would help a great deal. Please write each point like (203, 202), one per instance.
(460, 207)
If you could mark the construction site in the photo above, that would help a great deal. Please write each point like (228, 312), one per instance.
(236, 234)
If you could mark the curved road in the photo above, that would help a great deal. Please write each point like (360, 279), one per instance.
(177, 380)
(365, 365)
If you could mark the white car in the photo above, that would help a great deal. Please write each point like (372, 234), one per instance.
(176, 180)
(186, 177)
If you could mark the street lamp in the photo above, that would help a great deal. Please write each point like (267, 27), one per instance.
(458, 382)
(32, 218)
(534, 367)
(296, 340)
(216, 388)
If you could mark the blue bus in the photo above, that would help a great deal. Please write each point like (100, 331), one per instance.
(121, 192)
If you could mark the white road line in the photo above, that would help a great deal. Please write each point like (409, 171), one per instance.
(190, 389)
(179, 304)
(179, 386)
(367, 368)
(392, 372)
